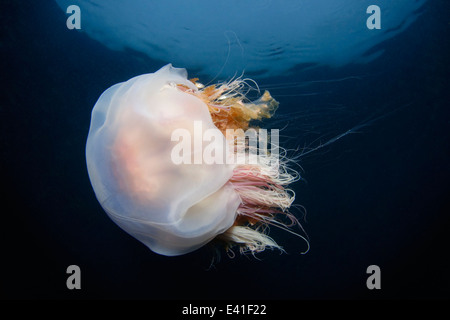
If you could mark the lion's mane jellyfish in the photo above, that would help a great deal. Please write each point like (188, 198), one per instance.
(176, 207)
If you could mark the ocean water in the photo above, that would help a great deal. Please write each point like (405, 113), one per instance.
(377, 196)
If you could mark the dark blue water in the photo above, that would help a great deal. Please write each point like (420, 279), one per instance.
(376, 197)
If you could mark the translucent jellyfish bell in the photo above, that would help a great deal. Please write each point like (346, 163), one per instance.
(175, 208)
(171, 208)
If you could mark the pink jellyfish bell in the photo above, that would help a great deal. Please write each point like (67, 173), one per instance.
(152, 176)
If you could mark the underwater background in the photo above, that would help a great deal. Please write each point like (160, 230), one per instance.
(378, 196)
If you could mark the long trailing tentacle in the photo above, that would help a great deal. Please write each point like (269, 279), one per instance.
(262, 186)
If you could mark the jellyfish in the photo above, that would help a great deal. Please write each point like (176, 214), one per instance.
(175, 207)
